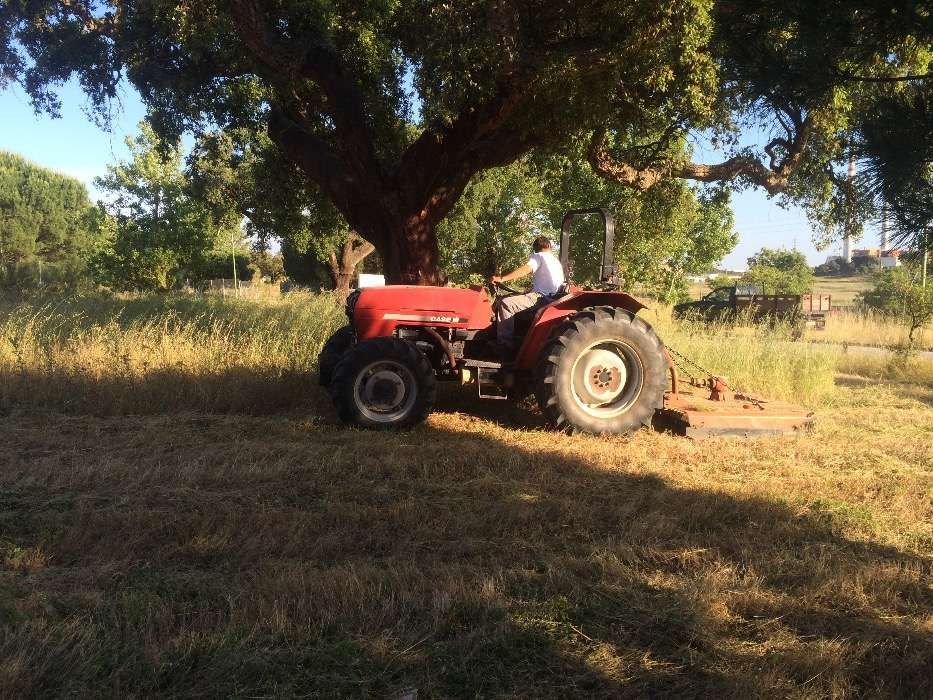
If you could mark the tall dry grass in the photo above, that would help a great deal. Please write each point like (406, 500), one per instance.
(164, 353)
(763, 359)
(167, 353)
(866, 327)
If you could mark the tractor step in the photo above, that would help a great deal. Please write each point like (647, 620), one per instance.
(482, 363)
(490, 378)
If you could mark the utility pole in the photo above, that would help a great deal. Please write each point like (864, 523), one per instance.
(850, 214)
(236, 286)
(926, 256)
(885, 243)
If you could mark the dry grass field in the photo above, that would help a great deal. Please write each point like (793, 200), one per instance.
(180, 516)
(867, 328)
(843, 289)
(849, 325)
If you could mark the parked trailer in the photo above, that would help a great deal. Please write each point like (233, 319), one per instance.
(747, 301)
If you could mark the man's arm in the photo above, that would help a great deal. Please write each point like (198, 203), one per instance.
(522, 271)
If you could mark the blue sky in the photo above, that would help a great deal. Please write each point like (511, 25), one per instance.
(75, 146)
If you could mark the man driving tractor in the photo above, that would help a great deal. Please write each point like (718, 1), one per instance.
(548, 279)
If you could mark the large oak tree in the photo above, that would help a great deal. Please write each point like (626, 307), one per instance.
(335, 81)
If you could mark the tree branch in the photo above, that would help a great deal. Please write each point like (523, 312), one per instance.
(436, 154)
(359, 248)
(314, 156)
(773, 177)
(882, 78)
(323, 66)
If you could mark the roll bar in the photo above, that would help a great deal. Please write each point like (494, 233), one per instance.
(607, 271)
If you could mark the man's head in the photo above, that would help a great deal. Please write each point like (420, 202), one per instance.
(541, 244)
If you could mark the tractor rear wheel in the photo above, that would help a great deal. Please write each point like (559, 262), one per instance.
(334, 349)
(604, 372)
(383, 383)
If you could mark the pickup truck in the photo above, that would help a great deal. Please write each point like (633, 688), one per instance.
(728, 303)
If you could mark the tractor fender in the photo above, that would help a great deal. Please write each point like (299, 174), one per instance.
(550, 317)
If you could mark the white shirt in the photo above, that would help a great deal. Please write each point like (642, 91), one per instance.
(548, 274)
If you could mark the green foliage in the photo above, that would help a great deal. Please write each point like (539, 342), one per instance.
(162, 234)
(220, 265)
(896, 146)
(244, 170)
(391, 108)
(837, 267)
(720, 281)
(492, 82)
(662, 235)
(900, 293)
(779, 271)
(267, 266)
(48, 227)
(491, 229)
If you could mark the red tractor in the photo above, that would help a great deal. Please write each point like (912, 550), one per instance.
(593, 365)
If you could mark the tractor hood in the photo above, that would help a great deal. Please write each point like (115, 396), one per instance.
(379, 310)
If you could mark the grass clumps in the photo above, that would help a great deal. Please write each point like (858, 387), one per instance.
(759, 359)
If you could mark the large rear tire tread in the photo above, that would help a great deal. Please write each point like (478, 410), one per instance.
(333, 351)
(362, 355)
(553, 373)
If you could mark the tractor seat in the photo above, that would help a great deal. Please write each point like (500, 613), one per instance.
(525, 317)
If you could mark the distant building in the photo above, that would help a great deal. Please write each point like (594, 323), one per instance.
(887, 258)
(700, 279)
(866, 253)
(891, 258)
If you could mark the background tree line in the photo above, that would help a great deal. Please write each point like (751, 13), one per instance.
(48, 227)
(168, 220)
(389, 111)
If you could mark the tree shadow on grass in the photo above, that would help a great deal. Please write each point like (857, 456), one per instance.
(230, 390)
(263, 556)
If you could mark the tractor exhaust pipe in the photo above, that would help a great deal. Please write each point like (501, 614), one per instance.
(444, 346)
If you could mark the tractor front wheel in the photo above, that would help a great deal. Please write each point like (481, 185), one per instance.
(333, 351)
(604, 372)
(383, 383)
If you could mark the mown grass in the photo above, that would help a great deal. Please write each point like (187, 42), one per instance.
(174, 541)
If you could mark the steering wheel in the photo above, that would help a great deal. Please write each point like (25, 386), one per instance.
(505, 287)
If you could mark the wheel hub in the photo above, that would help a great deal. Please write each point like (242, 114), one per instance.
(603, 376)
(606, 378)
(384, 391)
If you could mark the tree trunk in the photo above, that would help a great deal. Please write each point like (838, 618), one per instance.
(413, 256)
(341, 266)
(407, 242)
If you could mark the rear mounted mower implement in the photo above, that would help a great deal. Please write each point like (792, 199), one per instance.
(711, 408)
